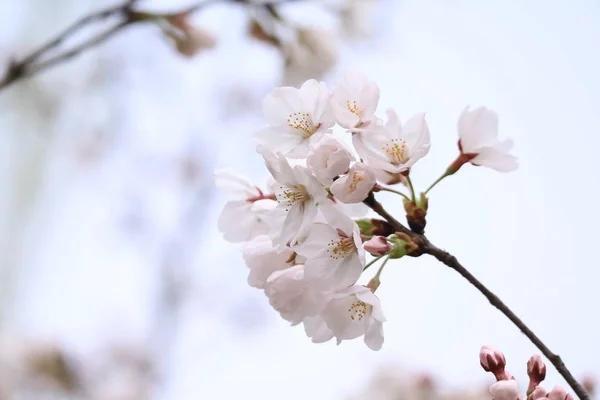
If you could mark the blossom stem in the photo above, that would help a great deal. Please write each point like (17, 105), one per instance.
(385, 189)
(378, 274)
(412, 189)
(438, 180)
(373, 262)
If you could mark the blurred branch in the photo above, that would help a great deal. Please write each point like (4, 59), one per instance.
(426, 247)
(38, 60)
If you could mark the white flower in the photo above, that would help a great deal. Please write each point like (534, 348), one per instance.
(298, 193)
(393, 147)
(334, 254)
(263, 259)
(328, 159)
(316, 329)
(505, 390)
(297, 118)
(294, 297)
(243, 218)
(478, 132)
(355, 186)
(353, 312)
(354, 100)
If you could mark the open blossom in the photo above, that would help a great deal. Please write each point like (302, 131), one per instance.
(334, 254)
(294, 297)
(353, 312)
(245, 217)
(505, 390)
(328, 159)
(479, 143)
(263, 259)
(354, 100)
(393, 147)
(355, 186)
(298, 193)
(297, 118)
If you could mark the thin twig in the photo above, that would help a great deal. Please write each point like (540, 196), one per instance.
(31, 64)
(449, 260)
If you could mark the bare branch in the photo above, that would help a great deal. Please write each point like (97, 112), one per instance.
(31, 64)
(450, 261)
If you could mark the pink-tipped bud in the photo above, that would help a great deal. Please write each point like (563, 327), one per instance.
(536, 370)
(538, 393)
(493, 361)
(558, 393)
(377, 246)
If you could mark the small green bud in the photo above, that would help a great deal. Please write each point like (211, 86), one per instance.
(403, 245)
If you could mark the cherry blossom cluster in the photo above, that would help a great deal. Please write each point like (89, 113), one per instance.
(305, 242)
(507, 388)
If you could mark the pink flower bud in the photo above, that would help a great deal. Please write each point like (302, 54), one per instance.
(558, 393)
(536, 370)
(493, 361)
(377, 246)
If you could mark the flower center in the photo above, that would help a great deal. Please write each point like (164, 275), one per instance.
(357, 177)
(357, 310)
(303, 123)
(397, 151)
(292, 195)
(353, 108)
(341, 248)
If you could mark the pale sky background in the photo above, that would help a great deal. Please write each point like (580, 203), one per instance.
(529, 235)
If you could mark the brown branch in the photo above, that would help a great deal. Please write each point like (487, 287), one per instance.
(426, 247)
(31, 64)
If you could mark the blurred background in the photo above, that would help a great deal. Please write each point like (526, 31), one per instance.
(116, 284)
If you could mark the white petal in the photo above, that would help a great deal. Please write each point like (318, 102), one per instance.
(263, 259)
(235, 183)
(495, 158)
(280, 103)
(316, 328)
(374, 334)
(333, 274)
(238, 223)
(278, 139)
(316, 242)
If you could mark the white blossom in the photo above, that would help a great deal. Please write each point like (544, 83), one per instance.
(478, 132)
(263, 259)
(393, 147)
(245, 217)
(354, 100)
(353, 312)
(355, 186)
(298, 194)
(297, 119)
(294, 297)
(334, 254)
(328, 159)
